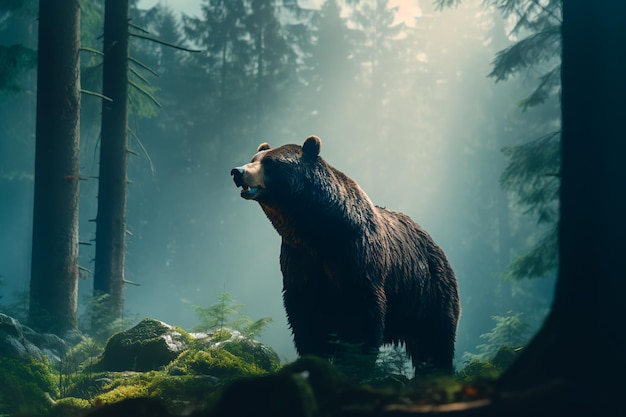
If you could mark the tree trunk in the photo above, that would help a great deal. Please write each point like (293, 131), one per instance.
(111, 219)
(54, 268)
(583, 338)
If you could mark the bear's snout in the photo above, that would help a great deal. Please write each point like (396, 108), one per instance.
(250, 178)
(237, 174)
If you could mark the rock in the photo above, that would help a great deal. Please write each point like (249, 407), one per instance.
(252, 351)
(149, 345)
(13, 343)
(50, 344)
(17, 340)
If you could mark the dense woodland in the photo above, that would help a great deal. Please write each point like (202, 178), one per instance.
(453, 117)
(450, 115)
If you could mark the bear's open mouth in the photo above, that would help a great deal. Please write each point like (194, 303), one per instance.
(250, 193)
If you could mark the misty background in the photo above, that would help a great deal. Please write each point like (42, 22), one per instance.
(400, 95)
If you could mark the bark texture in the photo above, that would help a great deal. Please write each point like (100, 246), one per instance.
(54, 267)
(111, 219)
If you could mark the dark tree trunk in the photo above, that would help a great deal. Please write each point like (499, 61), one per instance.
(583, 336)
(111, 219)
(54, 268)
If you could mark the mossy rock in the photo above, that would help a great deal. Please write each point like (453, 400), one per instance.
(505, 356)
(215, 362)
(233, 341)
(479, 369)
(70, 407)
(175, 391)
(125, 385)
(149, 345)
(27, 386)
(253, 352)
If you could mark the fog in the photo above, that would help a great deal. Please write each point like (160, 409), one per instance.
(403, 106)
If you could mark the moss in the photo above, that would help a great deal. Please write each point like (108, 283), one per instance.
(124, 385)
(70, 407)
(505, 356)
(84, 384)
(175, 391)
(479, 369)
(255, 353)
(185, 335)
(221, 335)
(215, 362)
(142, 348)
(28, 385)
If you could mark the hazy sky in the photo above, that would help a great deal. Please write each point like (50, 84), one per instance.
(408, 9)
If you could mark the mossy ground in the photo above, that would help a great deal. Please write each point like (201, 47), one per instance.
(235, 377)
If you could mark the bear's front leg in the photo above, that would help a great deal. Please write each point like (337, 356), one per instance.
(360, 322)
(313, 327)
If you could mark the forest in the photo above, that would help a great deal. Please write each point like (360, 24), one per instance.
(450, 111)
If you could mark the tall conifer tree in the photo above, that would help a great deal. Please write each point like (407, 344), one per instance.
(54, 266)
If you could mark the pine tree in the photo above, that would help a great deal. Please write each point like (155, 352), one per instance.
(112, 179)
(533, 170)
(226, 314)
(54, 270)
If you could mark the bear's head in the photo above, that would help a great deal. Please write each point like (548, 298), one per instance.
(278, 174)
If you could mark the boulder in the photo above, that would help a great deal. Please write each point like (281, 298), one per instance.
(17, 340)
(149, 345)
(252, 351)
(13, 343)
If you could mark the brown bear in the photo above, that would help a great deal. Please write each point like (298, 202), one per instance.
(354, 274)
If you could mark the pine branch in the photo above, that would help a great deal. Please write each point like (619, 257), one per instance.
(139, 28)
(145, 92)
(84, 271)
(547, 84)
(93, 93)
(145, 152)
(534, 49)
(142, 65)
(162, 42)
(546, 10)
(93, 51)
(441, 4)
(138, 75)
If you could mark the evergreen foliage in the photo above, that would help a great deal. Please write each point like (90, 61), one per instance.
(533, 171)
(96, 321)
(509, 330)
(14, 61)
(226, 314)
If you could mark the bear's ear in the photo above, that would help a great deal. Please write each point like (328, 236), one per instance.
(312, 146)
(263, 147)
